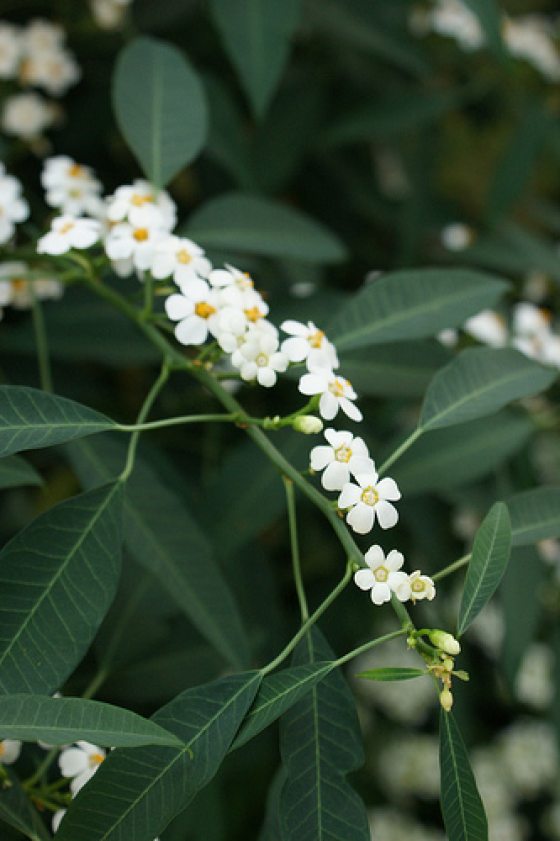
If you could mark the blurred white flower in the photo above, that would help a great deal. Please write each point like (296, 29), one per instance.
(457, 236)
(181, 258)
(13, 207)
(336, 393)
(27, 115)
(308, 343)
(71, 187)
(69, 232)
(454, 20)
(259, 358)
(10, 750)
(195, 310)
(140, 194)
(369, 498)
(136, 240)
(79, 763)
(529, 37)
(392, 825)
(409, 765)
(529, 757)
(534, 685)
(488, 327)
(10, 50)
(346, 455)
(17, 290)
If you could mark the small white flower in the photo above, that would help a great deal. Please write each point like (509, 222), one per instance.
(195, 310)
(453, 19)
(383, 575)
(136, 240)
(13, 207)
(230, 276)
(53, 70)
(69, 232)
(488, 327)
(10, 50)
(141, 194)
(80, 762)
(336, 393)
(308, 343)
(345, 456)
(27, 115)
(529, 37)
(17, 290)
(448, 337)
(70, 186)
(10, 750)
(41, 35)
(368, 499)
(416, 587)
(456, 236)
(259, 358)
(108, 14)
(179, 257)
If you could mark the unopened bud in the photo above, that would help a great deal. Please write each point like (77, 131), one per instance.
(445, 642)
(448, 664)
(308, 424)
(446, 700)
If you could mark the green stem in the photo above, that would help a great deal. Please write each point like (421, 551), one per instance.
(459, 564)
(95, 684)
(408, 442)
(367, 645)
(147, 405)
(41, 342)
(233, 417)
(148, 297)
(294, 544)
(333, 595)
(41, 769)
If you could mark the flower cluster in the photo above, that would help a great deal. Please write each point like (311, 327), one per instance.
(13, 207)
(34, 56)
(528, 37)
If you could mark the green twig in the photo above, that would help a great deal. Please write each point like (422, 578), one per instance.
(294, 544)
(41, 342)
(147, 405)
(459, 564)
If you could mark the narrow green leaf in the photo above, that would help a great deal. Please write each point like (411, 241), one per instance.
(412, 305)
(320, 744)
(31, 419)
(165, 538)
(453, 456)
(58, 721)
(160, 107)
(137, 792)
(256, 36)
(248, 224)
(58, 577)
(489, 559)
(390, 673)
(535, 515)
(277, 693)
(480, 381)
(461, 806)
(18, 812)
(521, 614)
(15, 472)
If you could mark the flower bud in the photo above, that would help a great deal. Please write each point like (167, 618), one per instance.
(446, 700)
(308, 424)
(445, 642)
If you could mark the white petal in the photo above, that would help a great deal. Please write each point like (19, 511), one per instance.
(361, 518)
(312, 384)
(335, 476)
(387, 514)
(192, 331)
(279, 361)
(395, 560)
(328, 405)
(396, 580)
(365, 579)
(320, 457)
(249, 371)
(350, 495)
(163, 265)
(266, 377)
(402, 589)
(360, 465)
(295, 349)
(388, 489)
(294, 328)
(350, 409)
(80, 781)
(11, 749)
(178, 307)
(72, 761)
(57, 819)
(338, 439)
(374, 557)
(381, 593)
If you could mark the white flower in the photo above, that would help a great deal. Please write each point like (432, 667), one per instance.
(336, 393)
(230, 276)
(529, 757)
(108, 14)
(57, 819)
(259, 359)
(453, 19)
(70, 186)
(13, 208)
(41, 35)
(368, 499)
(416, 587)
(69, 232)
(382, 576)
(533, 683)
(131, 197)
(10, 750)
(195, 309)
(488, 327)
(529, 37)
(345, 456)
(27, 115)
(17, 290)
(531, 331)
(53, 70)
(136, 240)
(456, 236)
(448, 337)
(308, 343)
(10, 50)
(80, 762)
(179, 257)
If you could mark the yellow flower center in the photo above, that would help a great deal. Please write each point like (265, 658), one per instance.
(316, 339)
(76, 171)
(139, 200)
(262, 360)
(247, 283)
(338, 387)
(18, 284)
(343, 454)
(66, 227)
(253, 314)
(370, 496)
(418, 586)
(204, 310)
(96, 759)
(141, 234)
(381, 574)
(2, 749)
(183, 256)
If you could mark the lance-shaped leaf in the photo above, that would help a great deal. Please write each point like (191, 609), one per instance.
(392, 673)
(479, 382)
(535, 515)
(320, 744)
(412, 305)
(277, 693)
(461, 806)
(58, 721)
(256, 36)
(31, 419)
(18, 812)
(160, 107)
(165, 538)
(15, 472)
(522, 615)
(137, 792)
(58, 578)
(489, 559)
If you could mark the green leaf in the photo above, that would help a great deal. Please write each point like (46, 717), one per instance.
(461, 806)
(390, 673)
(489, 14)
(165, 538)
(58, 721)
(320, 744)
(58, 577)
(256, 36)
(277, 693)
(248, 224)
(535, 515)
(15, 472)
(521, 614)
(489, 559)
(137, 792)
(31, 419)
(480, 381)
(18, 812)
(412, 305)
(272, 828)
(456, 455)
(160, 107)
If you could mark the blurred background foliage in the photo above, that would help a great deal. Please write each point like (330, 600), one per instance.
(381, 137)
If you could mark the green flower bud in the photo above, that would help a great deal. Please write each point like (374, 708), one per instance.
(445, 642)
(446, 700)
(308, 424)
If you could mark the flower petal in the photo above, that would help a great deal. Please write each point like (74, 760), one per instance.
(374, 557)
(335, 476)
(320, 457)
(350, 495)
(192, 331)
(361, 518)
(387, 514)
(365, 579)
(388, 489)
